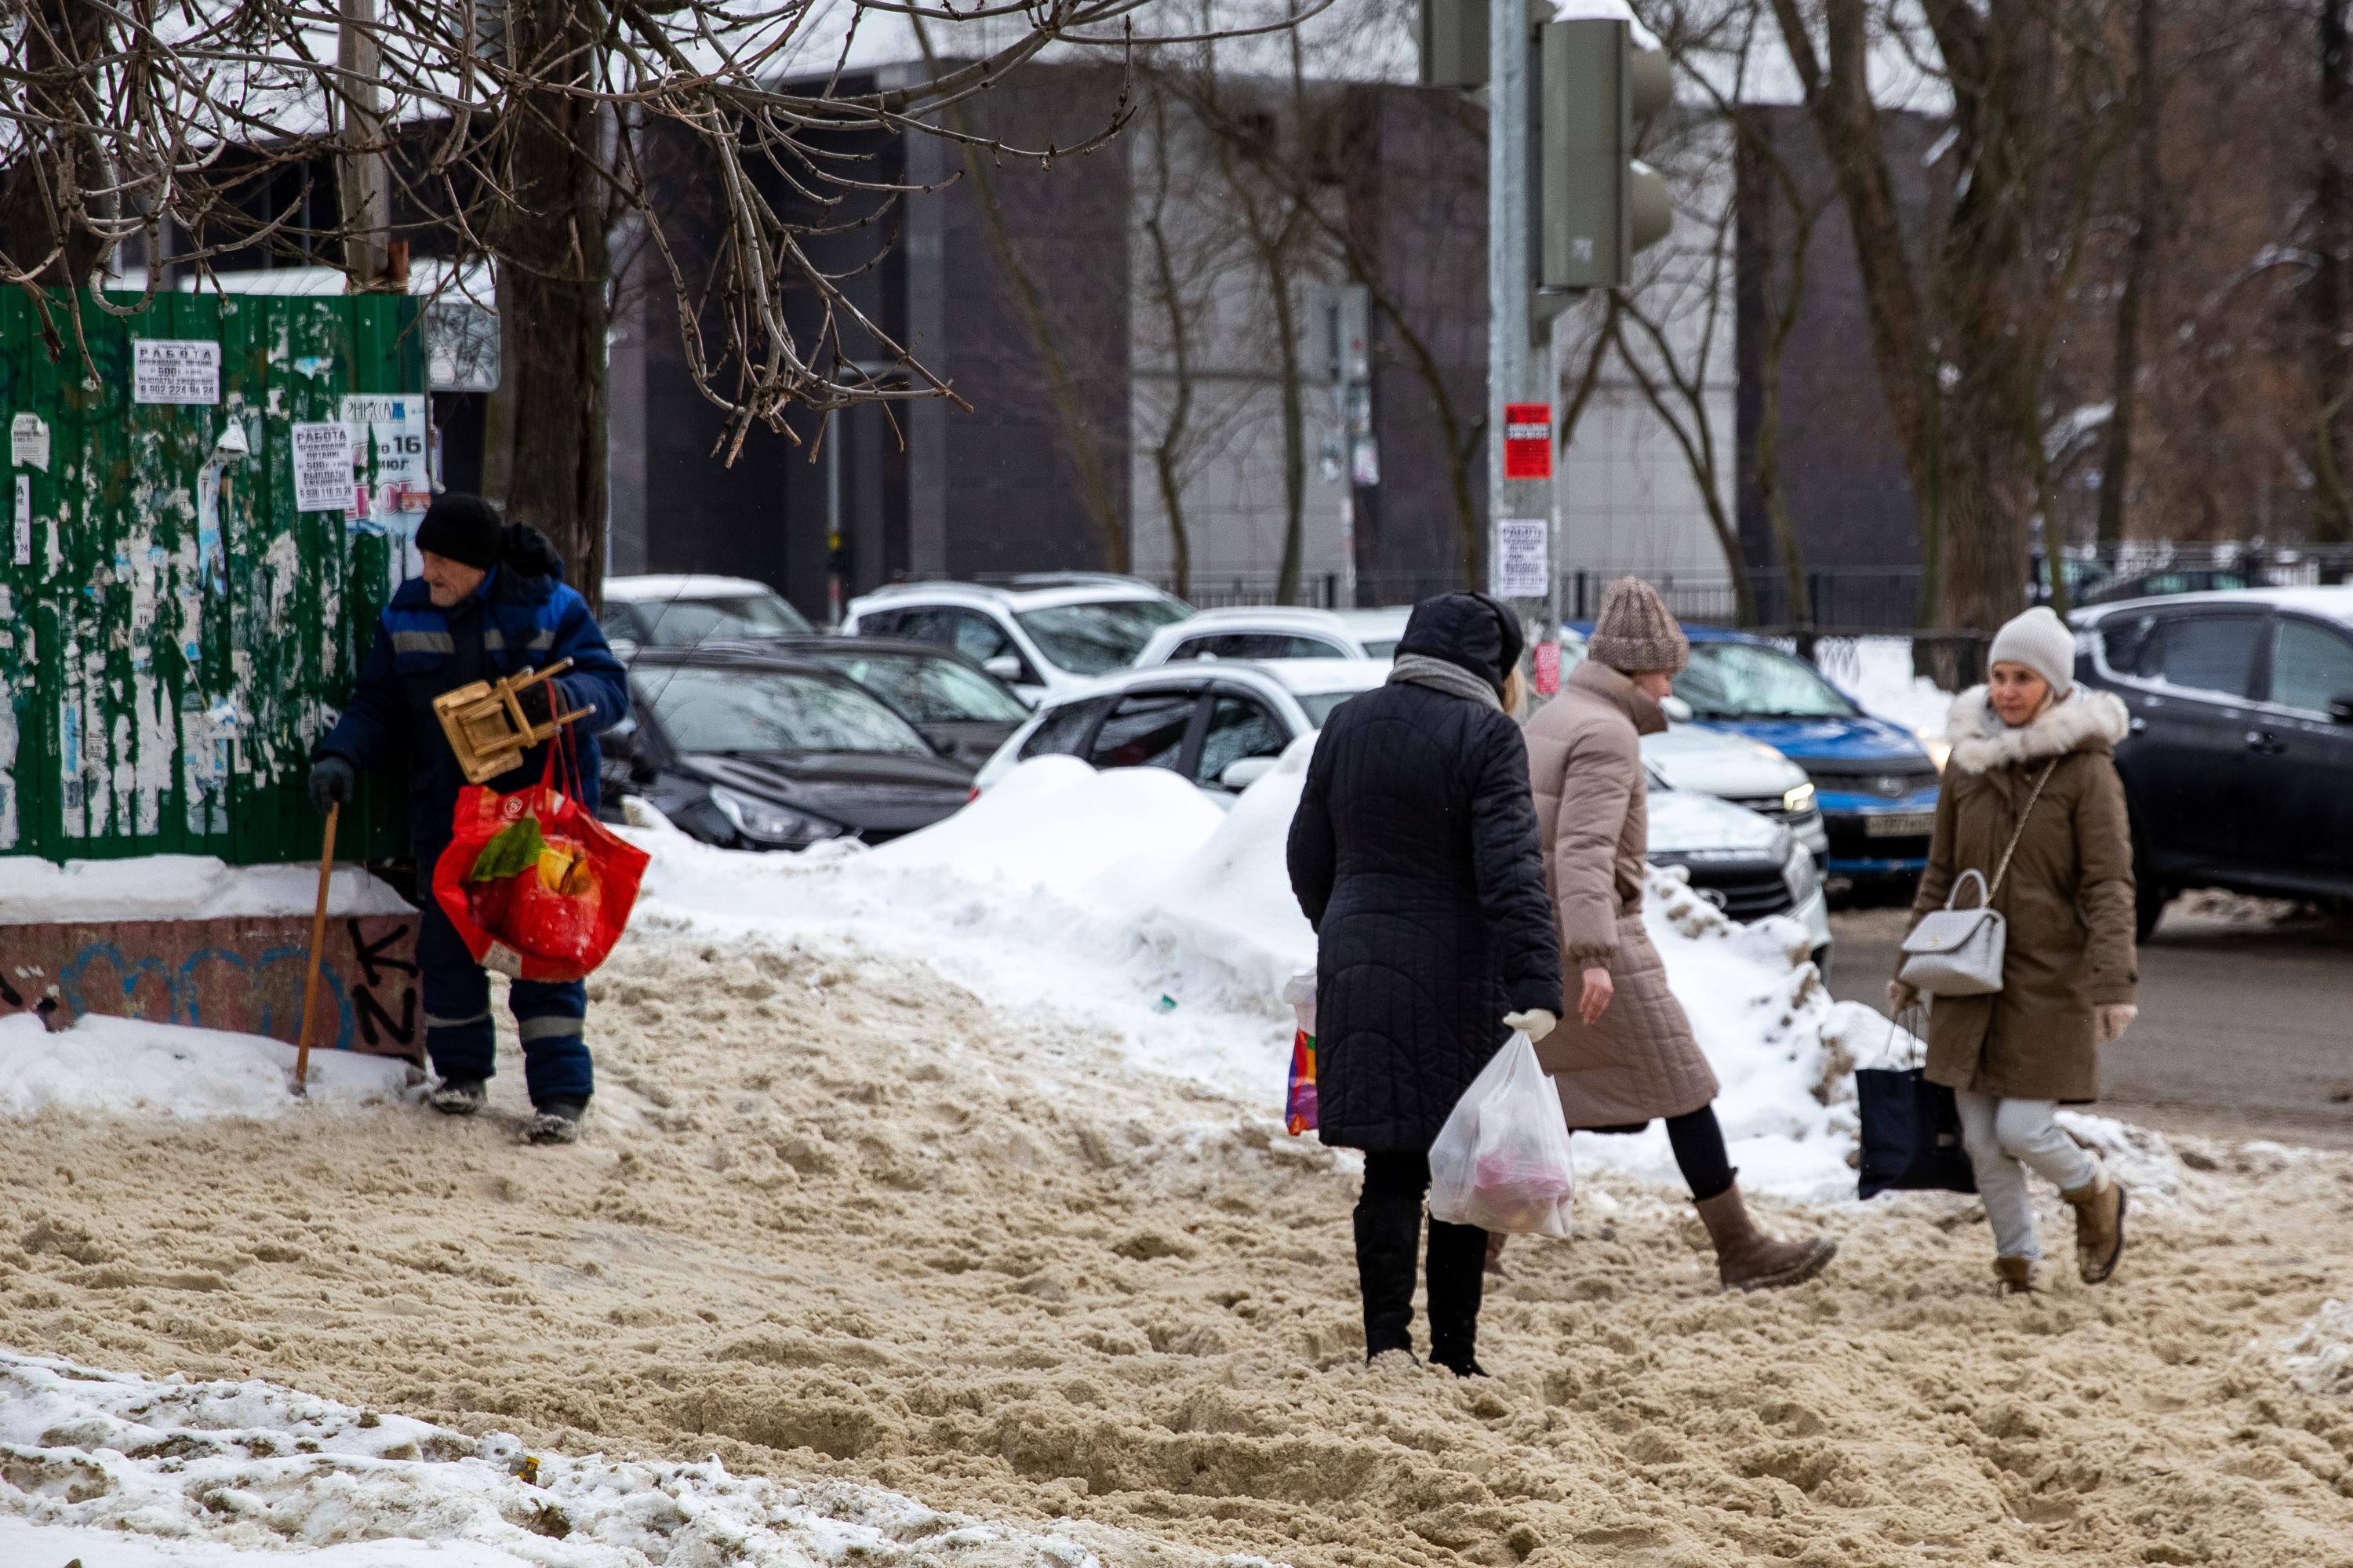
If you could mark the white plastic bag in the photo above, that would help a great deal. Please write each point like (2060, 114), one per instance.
(1501, 1160)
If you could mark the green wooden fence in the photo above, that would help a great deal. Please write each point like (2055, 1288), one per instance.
(174, 633)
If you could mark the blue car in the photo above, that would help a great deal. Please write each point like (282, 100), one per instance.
(1875, 786)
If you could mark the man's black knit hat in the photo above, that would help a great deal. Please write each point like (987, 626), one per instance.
(465, 528)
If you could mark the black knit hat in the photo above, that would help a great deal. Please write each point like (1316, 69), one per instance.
(465, 528)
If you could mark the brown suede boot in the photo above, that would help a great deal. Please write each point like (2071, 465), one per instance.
(2017, 1276)
(1748, 1259)
(2099, 1227)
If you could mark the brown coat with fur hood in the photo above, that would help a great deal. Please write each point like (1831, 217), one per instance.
(1584, 761)
(2068, 898)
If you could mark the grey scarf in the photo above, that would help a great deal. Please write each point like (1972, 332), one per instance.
(1421, 670)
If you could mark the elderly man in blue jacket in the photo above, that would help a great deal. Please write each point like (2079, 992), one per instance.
(491, 602)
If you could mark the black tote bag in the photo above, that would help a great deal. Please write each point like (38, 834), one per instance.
(1910, 1134)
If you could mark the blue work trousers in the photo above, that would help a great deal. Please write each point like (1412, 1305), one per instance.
(458, 1036)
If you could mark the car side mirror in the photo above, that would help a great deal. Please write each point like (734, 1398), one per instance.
(1004, 666)
(620, 742)
(1244, 771)
(2340, 708)
(1677, 710)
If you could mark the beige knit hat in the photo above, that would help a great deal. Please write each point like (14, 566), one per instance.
(1634, 631)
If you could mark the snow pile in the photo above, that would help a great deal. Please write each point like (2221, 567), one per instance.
(1128, 902)
(98, 1464)
(121, 1066)
(2318, 1357)
(1877, 672)
(181, 887)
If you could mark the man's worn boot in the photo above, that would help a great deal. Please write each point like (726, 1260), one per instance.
(1388, 1224)
(460, 1096)
(1455, 1279)
(2099, 1227)
(1748, 1259)
(557, 1121)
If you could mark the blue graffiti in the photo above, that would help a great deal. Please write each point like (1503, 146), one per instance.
(184, 997)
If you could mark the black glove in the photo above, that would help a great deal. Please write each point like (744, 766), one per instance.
(539, 703)
(332, 780)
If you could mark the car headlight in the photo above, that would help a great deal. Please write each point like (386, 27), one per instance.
(1938, 748)
(1797, 872)
(776, 826)
(1798, 801)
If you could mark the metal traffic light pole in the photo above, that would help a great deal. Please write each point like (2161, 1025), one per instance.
(1523, 508)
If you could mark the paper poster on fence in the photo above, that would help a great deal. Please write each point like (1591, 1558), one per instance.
(323, 466)
(181, 370)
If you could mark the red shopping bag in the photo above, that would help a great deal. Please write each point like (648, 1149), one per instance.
(539, 889)
(1299, 1102)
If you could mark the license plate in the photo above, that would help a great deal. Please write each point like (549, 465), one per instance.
(1899, 825)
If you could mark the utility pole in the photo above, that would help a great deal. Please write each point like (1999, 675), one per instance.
(1523, 509)
(363, 187)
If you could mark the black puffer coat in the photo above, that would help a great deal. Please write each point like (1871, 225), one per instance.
(1414, 855)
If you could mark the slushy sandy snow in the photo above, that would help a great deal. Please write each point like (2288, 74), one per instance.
(2318, 1357)
(181, 887)
(1129, 901)
(132, 1472)
(121, 1067)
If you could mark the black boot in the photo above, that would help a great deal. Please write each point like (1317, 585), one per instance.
(1388, 1224)
(1456, 1277)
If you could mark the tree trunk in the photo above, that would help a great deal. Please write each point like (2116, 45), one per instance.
(1295, 431)
(553, 278)
(51, 191)
(2116, 469)
(1167, 452)
(2333, 357)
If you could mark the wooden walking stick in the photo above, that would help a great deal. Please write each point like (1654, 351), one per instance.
(318, 949)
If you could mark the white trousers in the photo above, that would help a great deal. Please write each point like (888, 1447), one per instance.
(2005, 1138)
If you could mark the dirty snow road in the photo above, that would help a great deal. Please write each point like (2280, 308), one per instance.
(835, 1219)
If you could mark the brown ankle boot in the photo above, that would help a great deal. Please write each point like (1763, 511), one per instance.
(2017, 1276)
(2099, 1227)
(1748, 1259)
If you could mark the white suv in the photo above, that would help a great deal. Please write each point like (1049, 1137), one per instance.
(1042, 635)
(1278, 632)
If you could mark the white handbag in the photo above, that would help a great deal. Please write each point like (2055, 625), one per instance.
(1958, 952)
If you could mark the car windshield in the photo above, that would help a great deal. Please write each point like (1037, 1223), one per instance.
(770, 710)
(1096, 638)
(1743, 679)
(1380, 647)
(931, 690)
(1319, 705)
(690, 622)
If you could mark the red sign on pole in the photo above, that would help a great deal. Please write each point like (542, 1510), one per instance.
(1547, 668)
(1527, 440)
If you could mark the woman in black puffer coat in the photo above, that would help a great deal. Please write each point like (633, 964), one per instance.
(1414, 855)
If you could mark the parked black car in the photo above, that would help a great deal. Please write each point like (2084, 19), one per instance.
(774, 753)
(2239, 765)
(962, 709)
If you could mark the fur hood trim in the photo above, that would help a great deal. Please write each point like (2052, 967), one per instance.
(1981, 742)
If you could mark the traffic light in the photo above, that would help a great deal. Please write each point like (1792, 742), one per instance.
(1595, 204)
(1455, 43)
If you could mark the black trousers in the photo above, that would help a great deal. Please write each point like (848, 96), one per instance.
(1700, 1155)
(1388, 1228)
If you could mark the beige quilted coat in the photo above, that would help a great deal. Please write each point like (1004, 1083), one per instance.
(1585, 764)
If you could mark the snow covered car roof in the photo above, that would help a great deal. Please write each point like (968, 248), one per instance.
(1039, 594)
(691, 585)
(2336, 602)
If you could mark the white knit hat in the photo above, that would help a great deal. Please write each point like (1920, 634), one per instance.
(2040, 640)
(1635, 632)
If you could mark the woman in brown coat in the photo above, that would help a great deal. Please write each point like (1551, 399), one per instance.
(1625, 1055)
(2030, 744)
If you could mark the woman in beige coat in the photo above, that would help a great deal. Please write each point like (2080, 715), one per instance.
(1625, 1055)
(2030, 744)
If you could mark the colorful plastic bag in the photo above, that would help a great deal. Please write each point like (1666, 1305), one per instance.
(1298, 1097)
(1501, 1160)
(538, 888)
